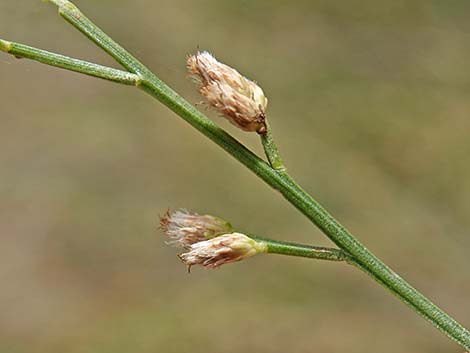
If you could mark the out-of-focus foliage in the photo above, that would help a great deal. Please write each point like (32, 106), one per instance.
(370, 104)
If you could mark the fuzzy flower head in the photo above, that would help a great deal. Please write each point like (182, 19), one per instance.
(236, 98)
(221, 250)
(185, 228)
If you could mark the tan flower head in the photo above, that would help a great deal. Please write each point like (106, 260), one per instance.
(236, 98)
(185, 228)
(221, 250)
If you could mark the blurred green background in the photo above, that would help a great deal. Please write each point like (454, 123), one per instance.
(370, 104)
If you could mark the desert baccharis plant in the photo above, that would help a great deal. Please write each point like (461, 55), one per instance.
(210, 241)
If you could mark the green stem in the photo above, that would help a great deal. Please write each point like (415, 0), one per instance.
(282, 182)
(65, 62)
(77, 19)
(301, 250)
(271, 150)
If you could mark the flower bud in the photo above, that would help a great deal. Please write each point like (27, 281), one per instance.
(221, 250)
(185, 228)
(236, 98)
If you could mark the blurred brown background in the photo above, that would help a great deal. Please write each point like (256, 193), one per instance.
(370, 103)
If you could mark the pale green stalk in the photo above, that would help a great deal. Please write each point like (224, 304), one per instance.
(280, 181)
(302, 250)
(271, 150)
(65, 62)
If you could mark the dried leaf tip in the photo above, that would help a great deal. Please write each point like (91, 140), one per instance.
(5, 45)
(221, 250)
(186, 228)
(237, 98)
(61, 2)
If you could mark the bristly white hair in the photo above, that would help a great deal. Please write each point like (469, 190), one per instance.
(237, 98)
(185, 228)
(221, 250)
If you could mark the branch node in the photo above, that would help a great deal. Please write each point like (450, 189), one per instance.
(139, 81)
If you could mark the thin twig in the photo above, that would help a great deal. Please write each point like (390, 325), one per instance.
(67, 63)
(271, 150)
(76, 18)
(302, 250)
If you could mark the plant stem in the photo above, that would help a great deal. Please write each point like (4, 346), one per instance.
(65, 62)
(301, 250)
(282, 182)
(77, 19)
(271, 150)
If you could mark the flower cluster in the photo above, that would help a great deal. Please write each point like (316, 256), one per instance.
(237, 98)
(209, 241)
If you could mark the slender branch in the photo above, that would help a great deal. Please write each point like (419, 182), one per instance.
(76, 18)
(271, 150)
(301, 250)
(67, 63)
(282, 182)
